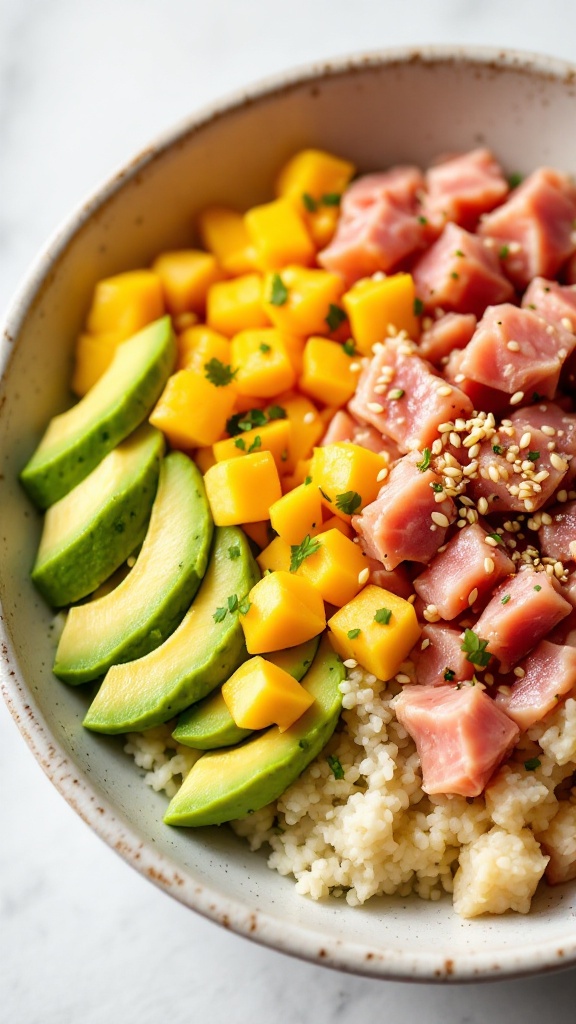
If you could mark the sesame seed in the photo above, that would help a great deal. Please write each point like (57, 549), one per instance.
(403, 678)
(436, 446)
(549, 431)
(473, 596)
(529, 506)
(309, 417)
(455, 439)
(546, 518)
(474, 451)
(440, 519)
(489, 678)
(517, 398)
(490, 541)
(363, 575)
(488, 565)
(459, 378)
(380, 389)
(461, 523)
(558, 463)
(382, 474)
(566, 323)
(395, 394)
(482, 506)
(493, 473)
(350, 663)
(445, 390)
(431, 613)
(374, 406)
(562, 496)
(412, 599)
(513, 346)
(519, 672)
(440, 496)
(425, 643)
(466, 501)
(525, 440)
(355, 367)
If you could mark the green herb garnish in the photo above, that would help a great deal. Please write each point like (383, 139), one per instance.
(276, 412)
(331, 199)
(532, 764)
(244, 606)
(383, 616)
(475, 649)
(353, 633)
(239, 442)
(537, 587)
(256, 443)
(279, 291)
(505, 599)
(234, 552)
(299, 552)
(504, 252)
(218, 373)
(496, 537)
(307, 481)
(533, 456)
(325, 496)
(418, 307)
(335, 317)
(497, 449)
(349, 347)
(232, 602)
(515, 179)
(309, 202)
(426, 456)
(220, 614)
(449, 674)
(437, 488)
(264, 347)
(348, 502)
(336, 766)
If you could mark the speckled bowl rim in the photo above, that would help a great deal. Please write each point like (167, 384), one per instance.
(100, 814)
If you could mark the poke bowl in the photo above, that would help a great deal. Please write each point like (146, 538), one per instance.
(448, 148)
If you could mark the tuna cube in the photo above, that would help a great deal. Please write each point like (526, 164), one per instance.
(464, 187)
(517, 348)
(483, 398)
(533, 228)
(464, 573)
(522, 612)
(460, 734)
(340, 428)
(343, 427)
(459, 273)
(521, 480)
(549, 673)
(558, 426)
(555, 302)
(400, 395)
(449, 333)
(558, 538)
(405, 522)
(396, 581)
(438, 656)
(379, 225)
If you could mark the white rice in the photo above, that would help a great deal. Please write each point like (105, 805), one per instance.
(375, 831)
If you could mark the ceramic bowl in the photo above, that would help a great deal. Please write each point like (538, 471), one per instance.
(379, 109)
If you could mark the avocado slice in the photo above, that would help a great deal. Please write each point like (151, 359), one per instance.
(227, 784)
(140, 613)
(194, 660)
(77, 440)
(93, 529)
(209, 724)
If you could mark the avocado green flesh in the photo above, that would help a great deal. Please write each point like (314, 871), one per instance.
(93, 529)
(228, 784)
(193, 661)
(149, 604)
(209, 724)
(77, 440)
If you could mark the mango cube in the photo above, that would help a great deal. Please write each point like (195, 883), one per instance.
(204, 458)
(242, 490)
(259, 694)
(272, 437)
(276, 555)
(261, 533)
(278, 235)
(191, 411)
(224, 233)
(374, 306)
(186, 276)
(126, 303)
(307, 427)
(301, 306)
(347, 477)
(328, 372)
(92, 357)
(334, 568)
(198, 344)
(285, 610)
(376, 628)
(236, 305)
(297, 513)
(314, 173)
(334, 523)
(264, 367)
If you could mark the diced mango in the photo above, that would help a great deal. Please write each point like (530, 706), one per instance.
(334, 568)
(347, 476)
(260, 533)
(242, 490)
(264, 367)
(297, 513)
(224, 233)
(125, 303)
(322, 223)
(198, 345)
(294, 346)
(186, 276)
(182, 321)
(329, 374)
(374, 306)
(376, 628)
(93, 355)
(299, 476)
(272, 437)
(307, 427)
(297, 299)
(276, 555)
(192, 411)
(236, 305)
(278, 235)
(259, 694)
(334, 523)
(285, 610)
(204, 458)
(313, 174)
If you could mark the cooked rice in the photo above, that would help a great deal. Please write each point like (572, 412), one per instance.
(375, 831)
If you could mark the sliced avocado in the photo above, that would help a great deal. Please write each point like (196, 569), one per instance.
(227, 784)
(77, 440)
(93, 529)
(147, 606)
(209, 724)
(201, 653)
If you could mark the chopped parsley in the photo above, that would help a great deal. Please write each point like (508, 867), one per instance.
(307, 481)
(234, 552)
(218, 373)
(537, 587)
(536, 397)
(496, 537)
(284, 455)
(244, 606)
(353, 633)
(454, 275)
(335, 317)
(449, 674)
(337, 769)
(325, 496)
(383, 616)
(514, 179)
(331, 199)
(299, 552)
(232, 602)
(533, 456)
(264, 347)
(497, 449)
(279, 291)
(532, 764)
(505, 599)
(437, 488)
(276, 412)
(348, 502)
(426, 456)
(422, 220)
(256, 443)
(504, 252)
(309, 202)
(475, 649)
(243, 421)
(349, 347)
(418, 307)
(220, 614)
(458, 252)
(239, 442)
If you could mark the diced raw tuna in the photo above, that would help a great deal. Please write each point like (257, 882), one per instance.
(565, 631)
(460, 734)
(438, 656)
(553, 418)
(343, 427)
(483, 398)
(400, 395)
(533, 228)
(340, 428)
(550, 672)
(513, 627)
(558, 539)
(397, 580)
(569, 591)
(553, 301)
(398, 525)
(460, 274)
(464, 187)
(464, 573)
(448, 334)
(520, 482)
(378, 226)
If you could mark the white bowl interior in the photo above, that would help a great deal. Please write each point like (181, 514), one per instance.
(392, 109)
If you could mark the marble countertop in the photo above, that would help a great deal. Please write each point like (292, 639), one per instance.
(82, 87)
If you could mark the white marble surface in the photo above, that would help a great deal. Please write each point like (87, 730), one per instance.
(82, 86)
